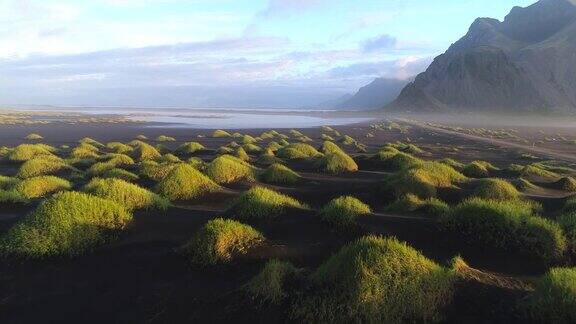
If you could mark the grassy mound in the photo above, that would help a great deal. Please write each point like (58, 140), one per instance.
(568, 223)
(241, 154)
(33, 137)
(126, 194)
(164, 138)
(224, 150)
(190, 148)
(330, 147)
(326, 137)
(169, 158)
(453, 163)
(566, 184)
(423, 179)
(42, 165)
(509, 225)
(342, 212)
(536, 170)
(252, 148)
(25, 152)
(84, 151)
(247, 139)
(336, 163)
(554, 300)
(261, 203)
(523, 184)
(120, 174)
(185, 183)
(394, 160)
(144, 151)
(411, 203)
(41, 186)
(8, 182)
(347, 140)
(496, 189)
(268, 285)
(378, 280)
(68, 224)
(279, 174)
(12, 197)
(220, 134)
(298, 151)
(154, 170)
(119, 148)
(477, 169)
(228, 169)
(90, 141)
(219, 241)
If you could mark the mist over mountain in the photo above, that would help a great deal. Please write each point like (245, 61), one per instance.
(378, 93)
(527, 62)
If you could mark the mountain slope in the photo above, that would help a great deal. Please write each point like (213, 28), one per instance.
(378, 93)
(526, 62)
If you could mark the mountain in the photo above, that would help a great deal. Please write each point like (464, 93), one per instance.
(333, 103)
(526, 62)
(378, 93)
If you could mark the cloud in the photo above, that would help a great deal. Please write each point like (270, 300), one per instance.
(379, 43)
(404, 68)
(287, 7)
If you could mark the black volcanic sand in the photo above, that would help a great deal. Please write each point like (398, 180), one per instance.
(140, 278)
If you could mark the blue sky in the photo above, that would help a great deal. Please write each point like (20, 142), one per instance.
(284, 53)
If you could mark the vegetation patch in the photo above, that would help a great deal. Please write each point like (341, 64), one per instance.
(219, 241)
(554, 300)
(190, 148)
(228, 169)
(477, 169)
(269, 285)
(566, 184)
(298, 151)
(25, 152)
(410, 203)
(185, 183)
(422, 179)
(164, 138)
(120, 174)
(144, 151)
(377, 280)
(33, 137)
(67, 224)
(119, 148)
(220, 134)
(336, 163)
(509, 225)
(42, 165)
(496, 189)
(341, 213)
(126, 194)
(260, 203)
(154, 170)
(41, 186)
(279, 174)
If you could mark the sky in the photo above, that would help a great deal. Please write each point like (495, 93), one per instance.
(220, 53)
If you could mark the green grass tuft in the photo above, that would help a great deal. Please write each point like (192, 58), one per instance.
(228, 169)
(554, 300)
(25, 152)
(219, 241)
(67, 224)
(220, 134)
(164, 138)
(190, 148)
(279, 174)
(42, 165)
(126, 194)
(184, 182)
(411, 203)
(341, 213)
(336, 163)
(298, 151)
(268, 285)
(496, 189)
(41, 186)
(260, 203)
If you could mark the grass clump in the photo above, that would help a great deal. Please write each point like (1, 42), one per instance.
(144, 151)
(279, 174)
(228, 169)
(67, 224)
(120, 174)
(85, 151)
(41, 186)
(119, 148)
(298, 151)
(347, 140)
(260, 203)
(496, 189)
(453, 163)
(185, 183)
(336, 163)
(247, 139)
(154, 170)
(190, 148)
(377, 280)
(510, 225)
(12, 197)
(90, 141)
(554, 300)
(566, 184)
(330, 147)
(394, 160)
(164, 138)
(33, 137)
(241, 154)
(252, 148)
(220, 134)
(536, 170)
(25, 152)
(268, 285)
(411, 203)
(8, 182)
(126, 194)
(42, 165)
(341, 213)
(523, 184)
(219, 241)
(422, 179)
(477, 169)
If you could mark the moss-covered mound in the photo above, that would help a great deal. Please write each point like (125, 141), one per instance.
(423, 179)
(185, 183)
(8, 182)
(33, 137)
(164, 138)
(219, 241)
(119, 148)
(41, 186)
(228, 169)
(42, 165)
(126, 194)
(509, 225)
(478, 169)
(453, 163)
(410, 203)
(252, 148)
(220, 134)
(279, 174)
(554, 300)
(90, 141)
(190, 148)
(120, 174)
(241, 154)
(85, 151)
(394, 160)
(341, 213)
(154, 170)
(25, 152)
(377, 280)
(268, 285)
(12, 197)
(496, 189)
(337, 162)
(566, 184)
(144, 151)
(330, 147)
(260, 203)
(69, 224)
(298, 151)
